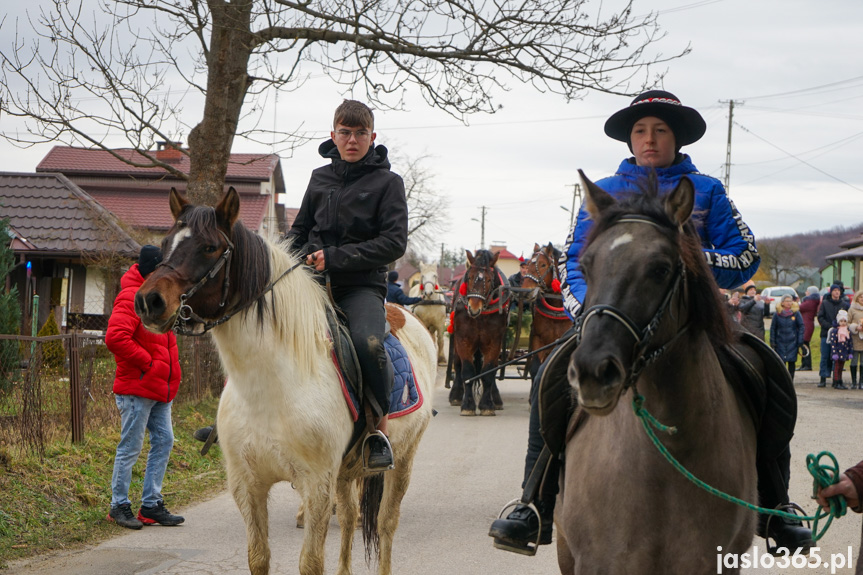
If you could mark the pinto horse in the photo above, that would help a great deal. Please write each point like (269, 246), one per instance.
(284, 416)
(652, 328)
(432, 309)
(549, 319)
(480, 313)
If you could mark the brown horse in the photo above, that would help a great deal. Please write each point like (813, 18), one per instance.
(480, 315)
(549, 319)
(652, 325)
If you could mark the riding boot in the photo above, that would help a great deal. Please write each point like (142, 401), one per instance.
(773, 477)
(853, 370)
(530, 523)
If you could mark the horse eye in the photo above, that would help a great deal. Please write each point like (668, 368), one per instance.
(210, 249)
(659, 273)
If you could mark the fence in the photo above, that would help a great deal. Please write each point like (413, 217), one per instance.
(60, 387)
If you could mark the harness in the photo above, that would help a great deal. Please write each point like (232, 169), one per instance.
(497, 300)
(642, 336)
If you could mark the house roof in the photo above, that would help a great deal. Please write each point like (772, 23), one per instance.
(504, 253)
(84, 161)
(48, 214)
(847, 254)
(151, 209)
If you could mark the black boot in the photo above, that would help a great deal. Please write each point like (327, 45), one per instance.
(823, 382)
(789, 534)
(853, 370)
(524, 529)
(837, 384)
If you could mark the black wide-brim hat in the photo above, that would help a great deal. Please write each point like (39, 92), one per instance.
(686, 123)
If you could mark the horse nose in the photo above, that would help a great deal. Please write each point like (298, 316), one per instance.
(149, 305)
(606, 372)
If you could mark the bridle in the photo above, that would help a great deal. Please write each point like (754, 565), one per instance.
(533, 266)
(489, 295)
(643, 336)
(185, 313)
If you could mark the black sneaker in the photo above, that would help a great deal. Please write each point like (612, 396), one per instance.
(380, 456)
(122, 515)
(158, 514)
(518, 531)
(204, 433)
(823, 382)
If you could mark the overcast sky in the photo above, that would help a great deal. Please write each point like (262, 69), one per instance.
(794, 69)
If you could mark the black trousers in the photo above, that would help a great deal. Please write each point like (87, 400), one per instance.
(773, 473)
(364, 308)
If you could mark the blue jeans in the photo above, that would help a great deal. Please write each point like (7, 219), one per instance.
(826, 367)
(137, 415)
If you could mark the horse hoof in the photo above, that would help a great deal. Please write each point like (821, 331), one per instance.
(469, 413)
(455, 402)
(487, 412)
(498, 407)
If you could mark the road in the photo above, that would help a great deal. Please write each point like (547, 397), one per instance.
(465, 470)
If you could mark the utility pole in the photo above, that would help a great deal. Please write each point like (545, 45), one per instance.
(576, 203)
(482, 228)
(728, 149)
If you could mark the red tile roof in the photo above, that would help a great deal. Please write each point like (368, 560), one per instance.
(505, 254)
(49, 214)
(81, 161)
(151, 210)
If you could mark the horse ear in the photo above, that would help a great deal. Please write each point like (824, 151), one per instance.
(535, 247)
(228, 209)
(549, 250)
(679, 203)
(494, 259)
(469, 258)
(597, 199)
(177, 202)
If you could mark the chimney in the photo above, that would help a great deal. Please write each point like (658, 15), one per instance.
(169, 152)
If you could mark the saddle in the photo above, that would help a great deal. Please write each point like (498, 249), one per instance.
(750, 366)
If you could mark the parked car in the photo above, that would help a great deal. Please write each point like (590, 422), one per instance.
(773, 295)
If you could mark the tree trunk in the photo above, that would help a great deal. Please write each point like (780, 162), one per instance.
(227, 82)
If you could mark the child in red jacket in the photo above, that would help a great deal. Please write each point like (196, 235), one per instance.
(147, 379)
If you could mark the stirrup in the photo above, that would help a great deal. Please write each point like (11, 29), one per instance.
(528, 548)
(790, 507)
(381, 434)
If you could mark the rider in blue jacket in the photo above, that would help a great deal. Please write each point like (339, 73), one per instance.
(654, 126)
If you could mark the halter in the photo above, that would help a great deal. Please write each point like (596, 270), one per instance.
(540, 280)
(185, 314)
(643, 336)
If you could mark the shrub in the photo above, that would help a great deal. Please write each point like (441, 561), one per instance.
(53, 354)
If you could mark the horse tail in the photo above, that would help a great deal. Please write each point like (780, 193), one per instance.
(370, 504)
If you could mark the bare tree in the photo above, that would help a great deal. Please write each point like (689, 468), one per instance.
(782, 260)
(427, 208)
(130, 66)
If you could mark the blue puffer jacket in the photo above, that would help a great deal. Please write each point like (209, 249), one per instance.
(729, 245)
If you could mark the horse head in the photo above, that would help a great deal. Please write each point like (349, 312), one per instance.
(647, 279)
(542, 271)
(480, 281)
(196, 281)
(428, 281)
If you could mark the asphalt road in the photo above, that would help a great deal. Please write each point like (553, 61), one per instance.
(465, 470)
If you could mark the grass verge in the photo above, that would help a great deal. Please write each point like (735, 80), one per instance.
(61, 502)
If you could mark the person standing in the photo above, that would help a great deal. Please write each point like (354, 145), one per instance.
(786, 333)
(146, 382)
(353, 222)
(751, 309)
(841, 349)
(830, 306)
(855, 324)
(517, 279)
(808, 310)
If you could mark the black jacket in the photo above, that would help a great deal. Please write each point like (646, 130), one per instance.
(357, 213)
(827, 312)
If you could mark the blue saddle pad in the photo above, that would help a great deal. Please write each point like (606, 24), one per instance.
(405, 397)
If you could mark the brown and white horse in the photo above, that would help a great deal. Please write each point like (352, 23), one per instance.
(283, 417)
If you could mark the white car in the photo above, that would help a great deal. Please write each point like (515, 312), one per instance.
(773, 295)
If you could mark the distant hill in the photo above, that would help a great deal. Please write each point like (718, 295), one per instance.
(817, 245)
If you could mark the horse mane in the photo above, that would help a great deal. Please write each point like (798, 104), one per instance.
(257, 262)
(703, 293)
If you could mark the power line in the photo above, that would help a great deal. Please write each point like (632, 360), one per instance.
(802, 161)
(805, 90)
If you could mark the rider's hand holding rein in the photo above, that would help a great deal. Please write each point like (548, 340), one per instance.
(316, 260)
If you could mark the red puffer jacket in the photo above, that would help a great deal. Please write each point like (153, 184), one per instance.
(148, 364)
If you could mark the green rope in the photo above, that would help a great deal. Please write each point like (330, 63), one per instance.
(823, 475)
